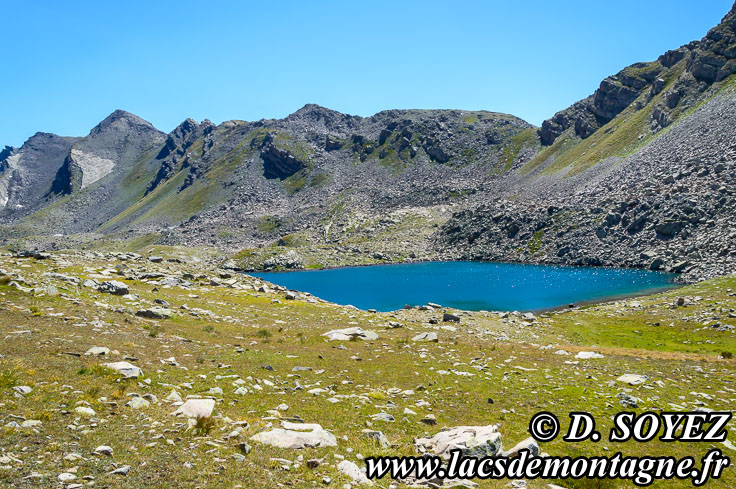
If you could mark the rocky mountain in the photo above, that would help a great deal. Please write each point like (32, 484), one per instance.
(26, 173)
(127, 177)
(120, 138)
(640, 173)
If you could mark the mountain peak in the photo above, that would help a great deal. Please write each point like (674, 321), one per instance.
(311, 110)
(124, 116)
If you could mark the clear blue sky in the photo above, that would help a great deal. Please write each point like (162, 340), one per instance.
(67, 65)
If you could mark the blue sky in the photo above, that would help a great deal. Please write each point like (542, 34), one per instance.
(67, 65)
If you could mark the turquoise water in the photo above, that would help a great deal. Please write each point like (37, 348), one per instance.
(469, 285)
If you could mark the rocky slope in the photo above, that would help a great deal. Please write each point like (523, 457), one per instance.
(641, 174)
(669, 206)
(680, 75)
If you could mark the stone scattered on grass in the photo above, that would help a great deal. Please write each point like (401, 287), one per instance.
(155, 313)
(138, 403)
(103, 450)
(85, 411)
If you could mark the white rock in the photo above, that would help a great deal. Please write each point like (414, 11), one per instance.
(173, 396)
(196, 408)
(127, 370)
(427, 336)
(138, 403)
(85, 411)
(66, 476)
(23, 390)
(98, 351)
(103, 450)
(350, 333)
(120, 470)
(633, 379)
(354, 472)
(585, 355)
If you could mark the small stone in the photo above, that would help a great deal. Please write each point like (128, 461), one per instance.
(85, 411)
(376, 436)
(633, 379)
(98, 351)
(429, 419)
(585, 355)
(120, 470)
(114, 287)
(23, 390)
(155, 313)
(138, 403)
(103, 450)
(125, 369)
(351, 470)
(430, 337)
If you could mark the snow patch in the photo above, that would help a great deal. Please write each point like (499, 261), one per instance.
(93, 167)
(5, 178)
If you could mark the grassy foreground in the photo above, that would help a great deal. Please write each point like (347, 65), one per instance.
(225, 334)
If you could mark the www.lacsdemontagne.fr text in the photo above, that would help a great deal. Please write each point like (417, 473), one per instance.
(642, 471)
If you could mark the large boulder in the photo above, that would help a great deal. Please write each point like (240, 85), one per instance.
(297, 435)
(127, 370)
(347, 334)
(155, 313)
(633, 379)
(114, 287)
(472, 441)
(196, 408)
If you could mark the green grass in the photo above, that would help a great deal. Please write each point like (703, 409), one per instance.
(268, 224)
(8, 379)
(511, 150)
(535, 244)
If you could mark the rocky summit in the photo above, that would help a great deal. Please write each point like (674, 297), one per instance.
(137, 351)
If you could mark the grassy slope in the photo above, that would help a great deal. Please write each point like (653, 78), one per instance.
(626, 133)
(516, 375)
